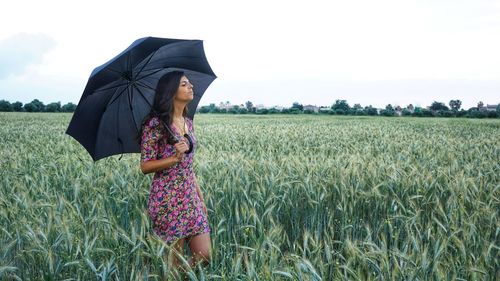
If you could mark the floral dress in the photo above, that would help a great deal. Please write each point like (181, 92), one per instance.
(174, 207)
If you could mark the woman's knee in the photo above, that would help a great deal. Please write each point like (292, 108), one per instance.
(200, 247)
(202, 257)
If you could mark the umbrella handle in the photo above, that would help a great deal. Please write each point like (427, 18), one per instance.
(185, 135)
(190, 143)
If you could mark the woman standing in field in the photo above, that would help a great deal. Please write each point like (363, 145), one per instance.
(175, 203)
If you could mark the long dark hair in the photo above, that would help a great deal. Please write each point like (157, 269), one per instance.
(163, 104)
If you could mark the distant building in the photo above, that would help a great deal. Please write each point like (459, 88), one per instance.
(490, 107)
(311, 107)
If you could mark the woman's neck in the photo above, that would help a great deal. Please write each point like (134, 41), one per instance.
(178, 110)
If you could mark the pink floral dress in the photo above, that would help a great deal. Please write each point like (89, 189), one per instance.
(174, 207)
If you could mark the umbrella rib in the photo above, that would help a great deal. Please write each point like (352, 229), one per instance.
(146, 63)
(104, 89)
(140, 92)
(113, 70)
(130, 97)
(111, 102)
(191, 57)
(144, 85)
(149, 74)
(118, 125)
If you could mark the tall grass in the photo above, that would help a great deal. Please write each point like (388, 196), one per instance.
(289, 198)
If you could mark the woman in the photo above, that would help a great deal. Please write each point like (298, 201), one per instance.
(175, 203)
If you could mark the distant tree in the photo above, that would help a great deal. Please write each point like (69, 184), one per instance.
(417, 112)
(273, 111)
(69, 107)
(445, 113)
(410, 107)
(455, 105)
(492, 114)
(339, 111)
(342, 105)
(436, 106)
(242, 110)
(34, 106)
(30, 107)
(461, 113)
(476, 113)
(398, 108)
(406, 112)
(213, 108)
(357, 109)
(39, 105)
(360, 112)
(235, 109)
(426, 112)
(369, 110)
(480, 105)
(297, 106)
(17, 106)
(53, 107)
(249, 106)
(204, 109)
(388, 111)
(262, 111)
(498, 109)
(5, 106)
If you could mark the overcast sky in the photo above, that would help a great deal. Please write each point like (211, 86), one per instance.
(268, 52)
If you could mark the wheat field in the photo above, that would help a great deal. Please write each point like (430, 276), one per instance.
(289, 198)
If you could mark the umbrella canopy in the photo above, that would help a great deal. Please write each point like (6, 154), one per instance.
(120, 93)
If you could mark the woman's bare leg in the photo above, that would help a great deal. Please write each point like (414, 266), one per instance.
(201, 249)
(174, 261)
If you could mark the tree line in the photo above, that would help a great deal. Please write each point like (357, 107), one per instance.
(342, 107)
(36, 106)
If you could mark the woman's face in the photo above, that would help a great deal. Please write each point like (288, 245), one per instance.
(185, 90)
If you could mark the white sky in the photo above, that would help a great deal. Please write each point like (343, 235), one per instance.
(268, 52)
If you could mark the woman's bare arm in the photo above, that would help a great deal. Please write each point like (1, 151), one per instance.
(165, 163)
(158, 165)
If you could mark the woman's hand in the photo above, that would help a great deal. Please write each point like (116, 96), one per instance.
(180, 149)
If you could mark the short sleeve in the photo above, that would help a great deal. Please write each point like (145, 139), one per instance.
(149, 140)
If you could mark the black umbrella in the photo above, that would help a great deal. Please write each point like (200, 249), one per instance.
(119, 93)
